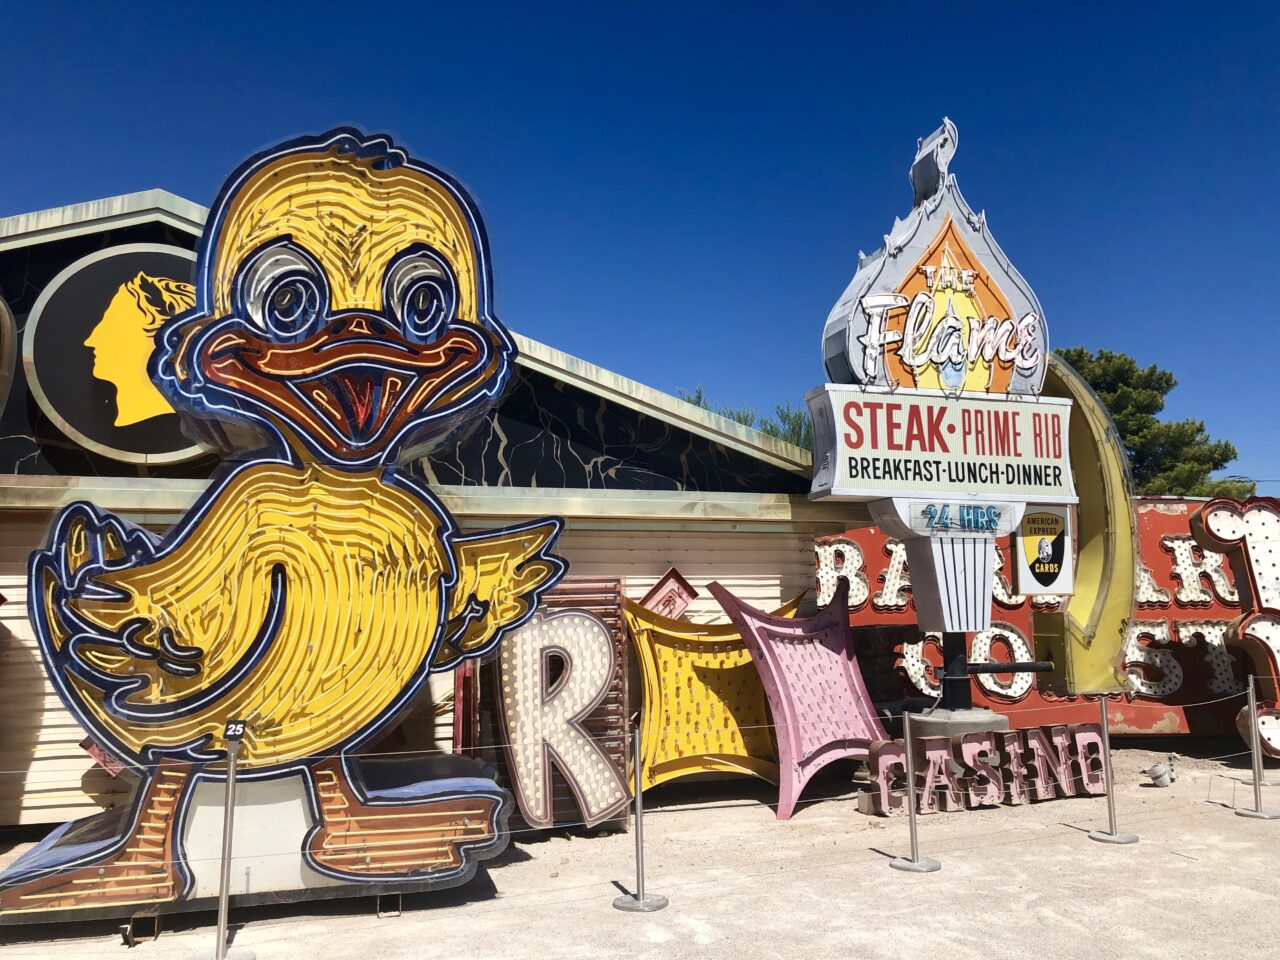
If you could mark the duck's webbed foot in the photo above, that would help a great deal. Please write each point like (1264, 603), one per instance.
(412, 820)
(106, 860)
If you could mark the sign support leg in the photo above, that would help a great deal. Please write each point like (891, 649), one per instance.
(957, 691)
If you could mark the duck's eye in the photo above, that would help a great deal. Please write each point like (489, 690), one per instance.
(281, 290)
(422, 292)
(424, 310)
(291, 305)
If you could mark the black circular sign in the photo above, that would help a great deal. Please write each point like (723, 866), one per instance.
(87, 343)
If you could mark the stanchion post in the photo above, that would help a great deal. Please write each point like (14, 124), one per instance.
(1110, 835)
(228, 826)
(639, 902)
(234, 732)
(914, 864)
(1255, 749)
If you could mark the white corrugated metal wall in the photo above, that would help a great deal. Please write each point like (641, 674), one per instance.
(764, 569)
(45, 776)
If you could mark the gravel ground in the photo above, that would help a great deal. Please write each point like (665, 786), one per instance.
(1014, 880)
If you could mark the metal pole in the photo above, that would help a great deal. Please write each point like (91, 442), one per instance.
(221, 951)
(915, 864)
(957, 690)
(1255, 748)
(639, 820)
(228, 823)
(1109, 836)
(639, 903)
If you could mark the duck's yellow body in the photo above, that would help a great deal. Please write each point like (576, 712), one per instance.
(361, 563)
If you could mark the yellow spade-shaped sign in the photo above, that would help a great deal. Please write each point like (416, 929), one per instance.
(1043, 552)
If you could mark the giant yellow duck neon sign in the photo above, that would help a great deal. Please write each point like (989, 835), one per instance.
(343, 311)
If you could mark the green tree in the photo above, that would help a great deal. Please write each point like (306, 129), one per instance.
(698, 397)
(1167, 458)
(790, 423)
(743, 415)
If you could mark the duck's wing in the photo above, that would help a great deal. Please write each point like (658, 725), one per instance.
(138, 632)
(501, 575)
(87, 612)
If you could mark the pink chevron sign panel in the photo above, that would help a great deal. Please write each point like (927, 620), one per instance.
(815, 689)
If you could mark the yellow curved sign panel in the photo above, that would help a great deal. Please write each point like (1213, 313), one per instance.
(1086, 641)
(704, 706)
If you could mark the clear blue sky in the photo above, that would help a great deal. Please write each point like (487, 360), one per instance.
(679, 192)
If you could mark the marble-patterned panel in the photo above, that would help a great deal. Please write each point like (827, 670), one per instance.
(546, 433)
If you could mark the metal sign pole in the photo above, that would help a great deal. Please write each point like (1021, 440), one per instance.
(1255, 748)
(640, 903)
(915, 864)
(1110, 835)
(234, 732)
(228, 824)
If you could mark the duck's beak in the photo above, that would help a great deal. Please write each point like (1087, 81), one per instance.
(353, 386)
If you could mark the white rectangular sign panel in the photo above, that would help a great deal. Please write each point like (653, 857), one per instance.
(874, 443)
(1044, 552)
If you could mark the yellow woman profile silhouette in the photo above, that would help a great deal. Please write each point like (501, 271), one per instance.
(123, 340)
